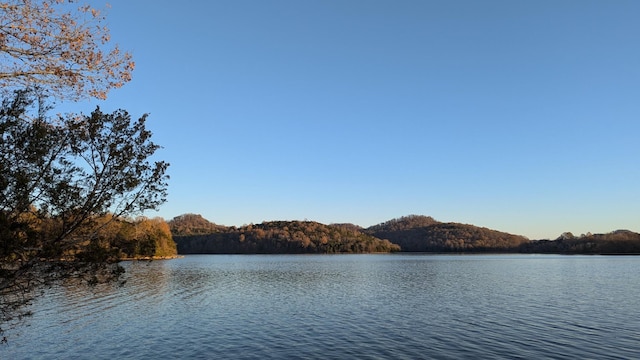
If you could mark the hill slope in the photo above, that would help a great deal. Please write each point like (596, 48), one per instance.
(424, 234)
(414, 233)
(615, 242)
(283, 237)
(193, 224)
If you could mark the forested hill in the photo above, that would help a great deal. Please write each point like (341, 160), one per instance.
(402, 223)
(283, 237)
(424, 234)
(615, 242)
(193, 224)
(414, 233)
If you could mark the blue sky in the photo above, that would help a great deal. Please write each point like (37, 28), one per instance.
(521, 116)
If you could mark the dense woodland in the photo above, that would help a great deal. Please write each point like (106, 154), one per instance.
(193, 224)
(145, 238)
(616, 242)
(424, 234)
(414, 233)
(283, 237)
(403, 223)
(104, 236)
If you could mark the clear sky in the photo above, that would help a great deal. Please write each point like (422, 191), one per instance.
(520, 116)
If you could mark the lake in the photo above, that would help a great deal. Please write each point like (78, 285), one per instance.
(396, 306)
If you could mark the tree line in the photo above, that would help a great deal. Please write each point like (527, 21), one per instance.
(413, 233)
(417, 233)
(283, 237)
(615, 242)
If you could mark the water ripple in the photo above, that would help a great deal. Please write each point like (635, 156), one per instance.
(359, 307)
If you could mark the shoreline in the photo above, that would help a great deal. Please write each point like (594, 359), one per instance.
(151, 258)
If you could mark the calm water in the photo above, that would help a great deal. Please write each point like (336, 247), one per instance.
(344, 307)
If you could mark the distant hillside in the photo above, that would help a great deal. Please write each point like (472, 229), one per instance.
(348, 226)
(413, 233)
(283, 237)
(402, 223)
(616, 242)
(193, 224)
(424, 234)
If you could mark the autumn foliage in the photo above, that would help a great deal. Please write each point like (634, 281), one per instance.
(65, 187)
(615, 242)
(193, 224)
(284, 237)
(424, 234)
(60, 47)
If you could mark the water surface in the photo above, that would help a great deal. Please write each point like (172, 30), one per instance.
(346, 306)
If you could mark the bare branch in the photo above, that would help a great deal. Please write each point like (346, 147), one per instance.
(59, 47)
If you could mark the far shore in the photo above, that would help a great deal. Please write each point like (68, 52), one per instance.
(149, 258)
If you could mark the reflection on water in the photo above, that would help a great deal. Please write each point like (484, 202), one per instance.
(346, 306)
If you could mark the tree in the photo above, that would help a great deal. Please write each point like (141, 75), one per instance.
(157, 234)
(59, 47)
(59, 179)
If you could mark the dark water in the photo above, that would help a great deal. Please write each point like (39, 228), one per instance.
(346, 307)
